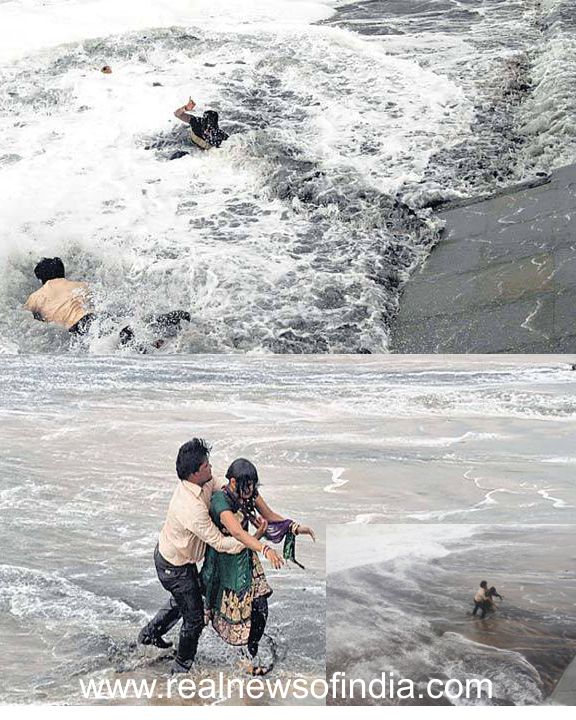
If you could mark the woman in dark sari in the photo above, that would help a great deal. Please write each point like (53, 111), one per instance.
(236, 589)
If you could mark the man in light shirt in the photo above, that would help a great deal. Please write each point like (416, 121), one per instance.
(187, 530)
(67, 303)
(60, 301)
(481, 600)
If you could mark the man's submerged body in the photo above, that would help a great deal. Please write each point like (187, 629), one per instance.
(67, 303)
(60, 301)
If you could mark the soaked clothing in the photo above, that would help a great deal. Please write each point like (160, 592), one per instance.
(235, 586)
(196, 133)
(183, 584)
(60, 301)
(258, 620)
(493, 593)
(481, 595)
(206, 134)
(83, 325)
(182, 544)
(481, 602)
(164, 326)
(188, 527)
(491, 596)
(482, 606)
(279, 530)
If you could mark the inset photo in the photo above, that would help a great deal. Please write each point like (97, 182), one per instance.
(451, 614)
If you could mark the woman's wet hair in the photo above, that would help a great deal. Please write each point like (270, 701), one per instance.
(49, 269)
(191, 456)
(245, 474)
(484, 584)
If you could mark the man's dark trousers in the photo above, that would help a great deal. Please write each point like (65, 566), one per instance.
(482, 606)
(183, 583)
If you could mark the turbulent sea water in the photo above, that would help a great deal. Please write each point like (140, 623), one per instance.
(349, 123)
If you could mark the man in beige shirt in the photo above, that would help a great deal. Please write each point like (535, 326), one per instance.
(60, 301)
(183, 538)
(67, 303)
(481, 599)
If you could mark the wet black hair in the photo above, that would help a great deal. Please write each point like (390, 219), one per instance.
(191, 455)
(245, 475)
(484, 584)
(210, 119)
(49, 269)
(211, 131)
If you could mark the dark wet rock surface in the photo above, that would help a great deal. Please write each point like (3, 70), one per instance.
(501, 279)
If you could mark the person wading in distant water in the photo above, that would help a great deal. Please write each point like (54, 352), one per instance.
(492, 595)
(204, 131)
(481, 600)
(181, 546)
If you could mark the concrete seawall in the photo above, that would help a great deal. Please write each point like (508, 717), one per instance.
(565, 692)
(502, 278)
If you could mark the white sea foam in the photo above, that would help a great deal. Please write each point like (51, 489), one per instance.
(337, 480)
(289, 238)
(225, 235)
(447, 441)
(31, 25)
(351, 546)
(556, 502)
(549, 113)
(368, 518)
(35, 596)
(300, 419)
(411, 613)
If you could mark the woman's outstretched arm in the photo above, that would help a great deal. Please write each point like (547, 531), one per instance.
(268, 514)
(231, 524)
(266, 511)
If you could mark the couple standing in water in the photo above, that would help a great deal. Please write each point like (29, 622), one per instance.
(484, 599)
(205, 522)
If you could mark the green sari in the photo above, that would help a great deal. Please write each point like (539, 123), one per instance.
(231, 582)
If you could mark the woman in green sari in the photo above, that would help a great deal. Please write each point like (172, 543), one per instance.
(235, 587)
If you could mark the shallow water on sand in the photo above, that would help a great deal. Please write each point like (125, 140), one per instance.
(86, 468)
